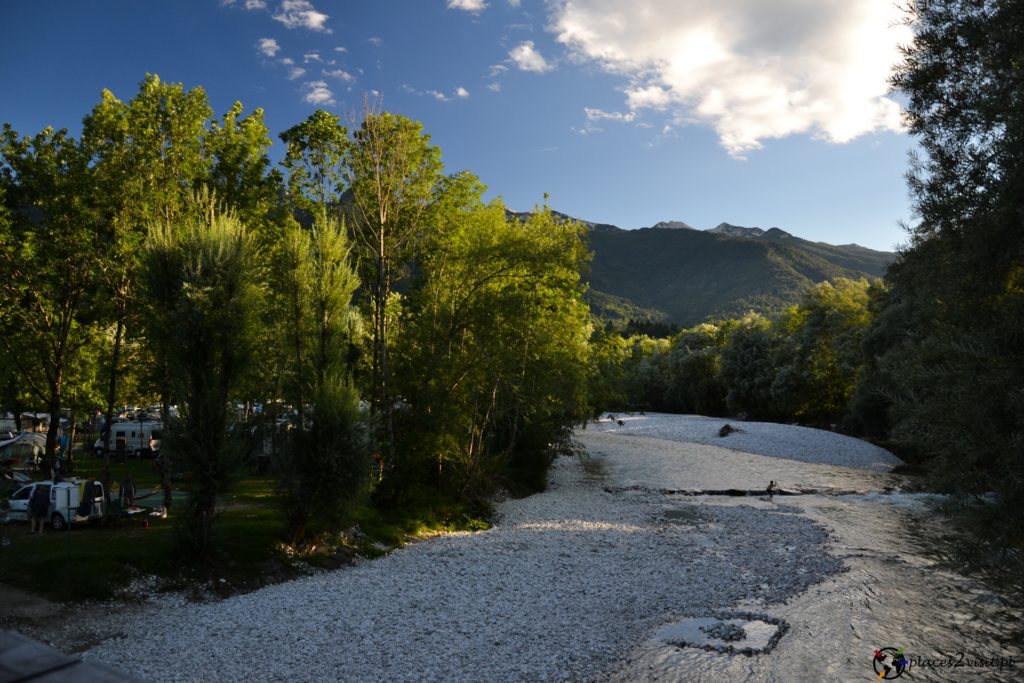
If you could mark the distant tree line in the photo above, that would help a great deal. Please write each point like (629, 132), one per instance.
(371, 303)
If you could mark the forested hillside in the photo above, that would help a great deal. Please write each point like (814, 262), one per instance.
(689, 276)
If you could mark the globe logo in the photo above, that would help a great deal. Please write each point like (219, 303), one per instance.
(889, 663)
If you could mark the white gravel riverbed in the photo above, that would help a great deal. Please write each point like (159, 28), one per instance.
(791, 442)
(563, 588)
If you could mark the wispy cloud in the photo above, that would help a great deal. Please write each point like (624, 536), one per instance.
(340, 74)
(526, 58)
(752, 70)
(268, 46)
(312, 56)
(342, 50)
(474, 6)
(287, 61)
(375, 41)
(459, 93)
(494, 87)
(302, 14)
(601, 115)
(317, 92)
(255, 4)
(497, 70)
(296, 72)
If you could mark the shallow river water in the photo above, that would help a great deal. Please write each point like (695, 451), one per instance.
(893, 596)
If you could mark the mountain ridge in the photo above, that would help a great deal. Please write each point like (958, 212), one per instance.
(672, 272)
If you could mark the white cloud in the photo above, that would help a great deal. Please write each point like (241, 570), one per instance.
(255, 4)
(296, 72)
(752, 70)
(317, 92)
(497, 70)
(461, 92)
(474, 6)
(528, 59)
(494, 87)
(312, 56)
(439, 96)
(342, 50)
(513, 3)
(302, 14)
(600, 114)
(268, 46)
(375, 41)
(287, 61)
(340, 74)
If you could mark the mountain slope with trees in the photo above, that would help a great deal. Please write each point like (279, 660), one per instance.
(685, 276)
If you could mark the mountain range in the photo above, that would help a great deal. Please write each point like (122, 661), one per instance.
(673, 273)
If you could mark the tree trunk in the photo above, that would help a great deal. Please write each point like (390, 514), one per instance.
(115, 362)
(164, 460)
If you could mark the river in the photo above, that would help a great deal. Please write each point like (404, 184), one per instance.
(895, 595)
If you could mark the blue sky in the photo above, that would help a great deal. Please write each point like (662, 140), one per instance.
(625, 111)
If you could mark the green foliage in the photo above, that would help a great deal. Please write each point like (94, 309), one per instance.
(695, 377)
(487, 392)
(49, 256)
(822, 351)
(394, 174)
(949, 339)
(201, 275)
(749, 365)
(314, 159)
(323, 467)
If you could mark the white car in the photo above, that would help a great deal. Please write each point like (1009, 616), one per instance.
(71, 501)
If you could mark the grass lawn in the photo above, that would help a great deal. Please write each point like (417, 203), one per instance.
(92, 562)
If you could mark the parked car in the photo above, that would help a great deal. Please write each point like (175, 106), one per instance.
(71, 501)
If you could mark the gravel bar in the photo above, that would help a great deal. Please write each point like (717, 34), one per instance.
(792, 442)
(564, 586)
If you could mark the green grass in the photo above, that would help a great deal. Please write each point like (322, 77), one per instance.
(93, 562)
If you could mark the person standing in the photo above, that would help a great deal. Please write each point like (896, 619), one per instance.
(39, 506)
(127, 492)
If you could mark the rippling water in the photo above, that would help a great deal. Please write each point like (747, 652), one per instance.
(894, 594)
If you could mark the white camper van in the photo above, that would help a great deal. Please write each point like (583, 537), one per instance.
(141, 439)
(71, 501)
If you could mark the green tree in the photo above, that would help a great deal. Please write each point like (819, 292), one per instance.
(694, 378)
(749, 363)
(314, 158)
(323, 467)
(201, 272)
(394, 174)
(493, 360)
(147, 156)
(48, 257)
(951, 327)
(820, 356)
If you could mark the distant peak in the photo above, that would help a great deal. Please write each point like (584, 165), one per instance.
(673, 225)
(777, 233)
(729, 230)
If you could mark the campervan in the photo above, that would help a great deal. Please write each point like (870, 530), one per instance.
(73, 500)
(137, 439)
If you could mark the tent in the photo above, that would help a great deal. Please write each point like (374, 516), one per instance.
(23, 451)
